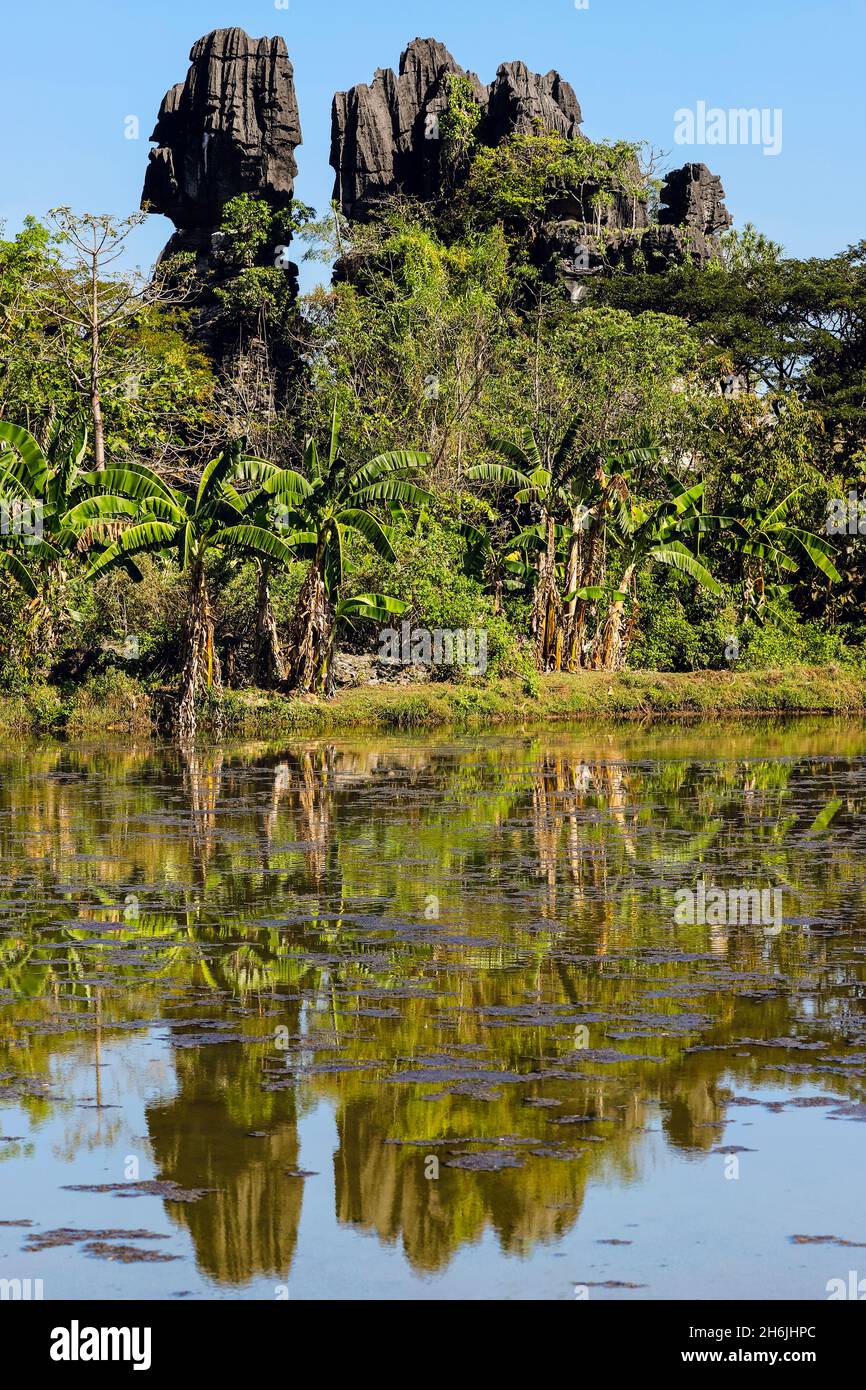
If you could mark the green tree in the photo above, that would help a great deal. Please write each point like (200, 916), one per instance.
(196, 528)
(318, 513)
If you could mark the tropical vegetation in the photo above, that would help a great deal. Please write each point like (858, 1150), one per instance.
(440, 436)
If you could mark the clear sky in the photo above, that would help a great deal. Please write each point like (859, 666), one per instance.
(74, 69)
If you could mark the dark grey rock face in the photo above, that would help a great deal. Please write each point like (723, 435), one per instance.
(385, 138)
(693, 197)
(521, 102)
(231, 127)
(385, 142)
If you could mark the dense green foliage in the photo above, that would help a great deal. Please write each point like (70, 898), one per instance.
(574, 480)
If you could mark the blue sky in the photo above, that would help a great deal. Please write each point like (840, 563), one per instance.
(75, 69)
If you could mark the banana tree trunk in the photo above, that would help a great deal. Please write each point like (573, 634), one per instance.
(574, 580)
(586, 568)
(312, 638)
(44, 614)
(754, 589)
(201, 660)
(268, 666)
(498, 590)
(610, 646)
(547, 606)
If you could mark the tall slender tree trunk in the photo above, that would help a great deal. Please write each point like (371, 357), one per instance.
(498, 590)
(572, 654)
(201, 660)
(268, 666)
(586, 569)
(95, 369)
(547, 606)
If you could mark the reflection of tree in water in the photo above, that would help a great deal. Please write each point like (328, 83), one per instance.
(203, 1138)
(202, 784)
(293, 882)
(382, 1187)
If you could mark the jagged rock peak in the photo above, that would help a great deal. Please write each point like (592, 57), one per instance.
(693, 197)
(380, 132)
(523, 102)
(231, 127)
(384, 136)
(424, 61)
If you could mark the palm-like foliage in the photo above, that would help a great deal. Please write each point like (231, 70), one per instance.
(588, 509)
(644, 533)
(317, 512)
(39, 484)
(770, 546)
(245, 509)
(558, 491)
(41, 481)
(160, 519)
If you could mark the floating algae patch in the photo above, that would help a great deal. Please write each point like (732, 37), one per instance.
(150, 1188)
(49, 1240)
(126, 1254)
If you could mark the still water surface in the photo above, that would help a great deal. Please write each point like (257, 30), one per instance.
(415, 1018)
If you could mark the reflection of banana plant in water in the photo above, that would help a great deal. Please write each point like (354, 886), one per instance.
(22, 970)
(319, 512)
(201, 776)
(201, 1137)
(282, 943)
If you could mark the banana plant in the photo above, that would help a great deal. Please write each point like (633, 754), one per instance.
(648, 533)
(317, 511)
(770, 547)
(38, 482)
(195, 528)
(574, 492)
(36, 545)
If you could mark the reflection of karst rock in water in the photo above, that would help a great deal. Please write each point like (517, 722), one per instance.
(691, 1108)
(202, 1138)
(541, 851)
(382, 1188)
(386, 141)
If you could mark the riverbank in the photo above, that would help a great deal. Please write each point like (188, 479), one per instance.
(117, 703)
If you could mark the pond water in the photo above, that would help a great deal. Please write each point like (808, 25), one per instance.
(431, 1017)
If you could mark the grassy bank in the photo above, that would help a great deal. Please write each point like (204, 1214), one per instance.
(120, 705)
